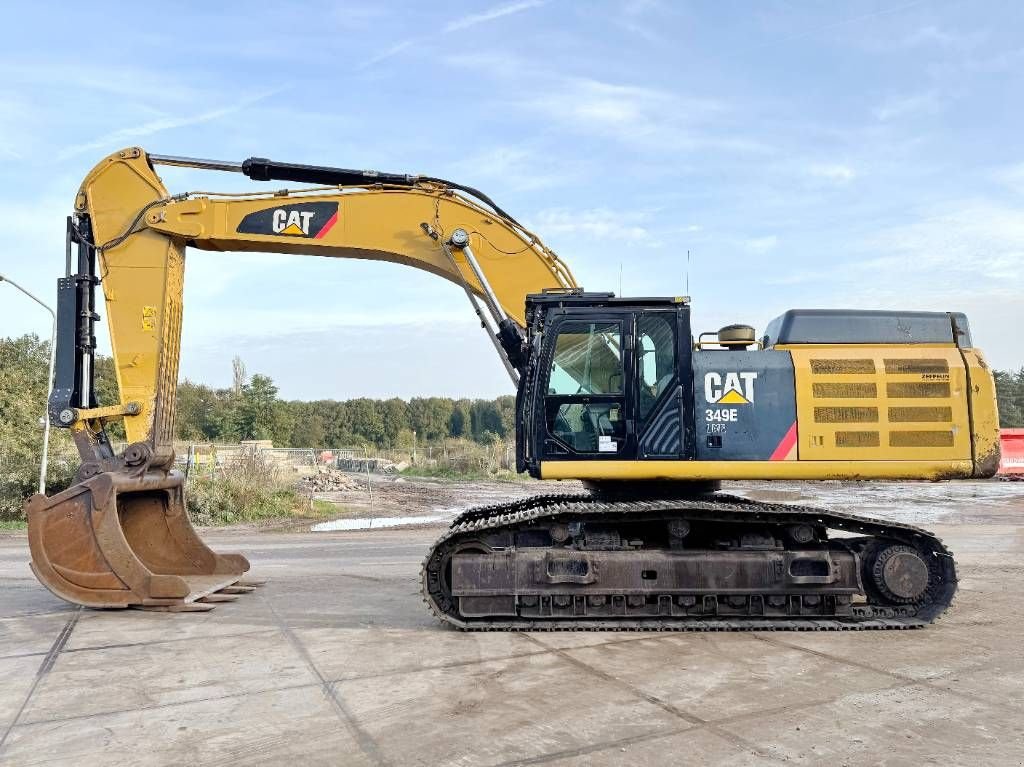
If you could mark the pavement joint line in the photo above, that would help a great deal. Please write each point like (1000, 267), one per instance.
(597, 747)
(22, 655)
(36, 615)
(912, 681)
(44, 669)
(363, 739)
(203, 637)
(475, 662)
(357, 577)
(736, 740)
(161, 706)
(440, 667)
(768, 712)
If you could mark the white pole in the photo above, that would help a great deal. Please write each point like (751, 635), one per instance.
(49, 382)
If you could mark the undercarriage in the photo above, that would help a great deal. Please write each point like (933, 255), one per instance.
(713, 562)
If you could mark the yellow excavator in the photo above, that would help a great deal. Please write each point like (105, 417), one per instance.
(613, 391)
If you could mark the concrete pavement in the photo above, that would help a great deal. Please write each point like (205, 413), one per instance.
(336, 661)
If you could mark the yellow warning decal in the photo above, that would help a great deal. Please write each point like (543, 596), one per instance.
(733, 397)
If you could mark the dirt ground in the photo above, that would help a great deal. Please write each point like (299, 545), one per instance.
(336, 661)
(919, 503)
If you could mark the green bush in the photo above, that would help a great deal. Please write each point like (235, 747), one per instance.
(229, 500)
(249, 489)
(23, 368)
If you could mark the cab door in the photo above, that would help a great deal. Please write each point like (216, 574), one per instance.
(588, 388)
(664, 384)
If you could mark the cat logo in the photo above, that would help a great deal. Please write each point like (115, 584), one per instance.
(292, 221)
(732, 389)
(310, 220)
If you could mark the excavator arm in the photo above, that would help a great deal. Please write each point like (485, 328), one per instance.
(139, 233)
(120, 535)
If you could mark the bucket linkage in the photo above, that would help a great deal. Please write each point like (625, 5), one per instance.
(122, 538)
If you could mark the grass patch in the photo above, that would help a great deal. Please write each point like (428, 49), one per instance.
(324, 508)
(228, 501)
(9, 525)
(251, 490)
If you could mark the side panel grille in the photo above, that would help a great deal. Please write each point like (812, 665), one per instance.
(886, 402)
(920, 415)
(843, 367)
(917, 390)
(857, 439)
(845, 390)
(921, 438)
(846, 415)
(921, 367)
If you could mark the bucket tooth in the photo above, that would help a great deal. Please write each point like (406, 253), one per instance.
(236, 589)
(178, 607)
(120, 539)
(218, 597)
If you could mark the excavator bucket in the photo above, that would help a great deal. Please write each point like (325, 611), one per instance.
(124, 540)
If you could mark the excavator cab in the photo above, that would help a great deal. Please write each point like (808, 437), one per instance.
(608, 379)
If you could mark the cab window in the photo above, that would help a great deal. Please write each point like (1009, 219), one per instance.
(584, 408)
(657, 358)
(587, 360)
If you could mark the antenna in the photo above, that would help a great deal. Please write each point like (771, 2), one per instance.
(620, 279)
(687, 272)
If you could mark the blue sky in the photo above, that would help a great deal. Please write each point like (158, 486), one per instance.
(807, 154)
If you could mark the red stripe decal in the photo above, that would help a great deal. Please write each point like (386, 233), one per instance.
(787, 444)
(327, 227)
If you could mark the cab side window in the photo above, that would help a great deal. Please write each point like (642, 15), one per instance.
(657, 358)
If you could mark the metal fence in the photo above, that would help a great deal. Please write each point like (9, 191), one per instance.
(455, 456)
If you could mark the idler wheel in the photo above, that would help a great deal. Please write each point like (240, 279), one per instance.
(901, 574)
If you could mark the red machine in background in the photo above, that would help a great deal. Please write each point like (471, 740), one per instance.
(1012, 444)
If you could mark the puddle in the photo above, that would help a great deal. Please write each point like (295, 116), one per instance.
(374, 523)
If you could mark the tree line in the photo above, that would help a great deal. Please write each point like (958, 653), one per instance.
(252, 409)
(1010, 394)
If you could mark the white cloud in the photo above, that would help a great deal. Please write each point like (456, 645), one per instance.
(516, 168)
(387, 53)
(1012, 176)
(927, 102)
(597, 223)
(644, 117)
(761, 244)
(836, 172)
(933, 35)
(640, 116)
(125, 136)
(973, 245)
(455, 25)
(491, 14)
(591, 102)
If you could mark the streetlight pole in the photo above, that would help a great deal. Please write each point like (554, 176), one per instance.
(49, 381)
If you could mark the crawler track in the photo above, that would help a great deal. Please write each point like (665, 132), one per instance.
(874, 613)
